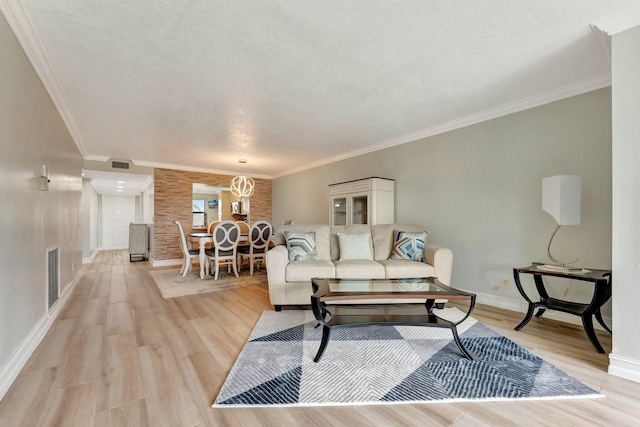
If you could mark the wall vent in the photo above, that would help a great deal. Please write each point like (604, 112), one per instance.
(53, 276)
(120, 165)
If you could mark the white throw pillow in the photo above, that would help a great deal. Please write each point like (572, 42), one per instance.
(355, 246)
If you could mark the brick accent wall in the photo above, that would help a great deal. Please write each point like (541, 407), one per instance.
(173, 191)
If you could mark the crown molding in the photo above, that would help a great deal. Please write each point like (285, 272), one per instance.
(604, 41)
(196, 169)
(619, 22)
(558, 94)
(23, 29)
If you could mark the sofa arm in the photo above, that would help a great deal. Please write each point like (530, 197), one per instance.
(442, 261)
(277, 260)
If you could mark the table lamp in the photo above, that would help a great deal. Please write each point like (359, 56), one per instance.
(561, 199)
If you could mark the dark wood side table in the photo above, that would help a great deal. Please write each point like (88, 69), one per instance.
(601, 294)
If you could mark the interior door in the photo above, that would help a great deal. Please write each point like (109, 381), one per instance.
(117, 214)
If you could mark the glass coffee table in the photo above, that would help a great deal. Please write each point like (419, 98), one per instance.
(344, 303)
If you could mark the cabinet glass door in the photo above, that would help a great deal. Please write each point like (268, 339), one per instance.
(360, 210)
(339, 211)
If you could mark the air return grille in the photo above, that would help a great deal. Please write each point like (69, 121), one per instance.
(120, 165)
(53, 275)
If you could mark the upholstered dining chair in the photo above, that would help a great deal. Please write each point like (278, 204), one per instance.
(212, 226)
(210, 231)
(225, 245)
(187, 254)
(244, 228)
(259, 238)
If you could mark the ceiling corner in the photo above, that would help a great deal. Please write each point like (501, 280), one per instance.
(619, 22)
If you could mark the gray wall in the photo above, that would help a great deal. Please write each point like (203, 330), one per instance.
(32, 133)
(478, 191)
(625, 357)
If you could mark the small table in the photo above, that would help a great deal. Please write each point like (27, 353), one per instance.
(344, 303)
(601, 294)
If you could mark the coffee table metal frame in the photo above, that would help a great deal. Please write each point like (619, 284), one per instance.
(347, 309)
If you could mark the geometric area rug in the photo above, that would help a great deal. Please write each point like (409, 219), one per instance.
(386, 364)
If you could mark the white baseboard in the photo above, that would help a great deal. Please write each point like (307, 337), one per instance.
(521, 307)
(165, 262)
(624, 368)
(11, 369)
(91, 257)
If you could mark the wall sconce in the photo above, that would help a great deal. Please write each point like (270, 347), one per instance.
(44, 178)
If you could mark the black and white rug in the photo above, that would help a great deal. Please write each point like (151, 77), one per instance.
(386, 364)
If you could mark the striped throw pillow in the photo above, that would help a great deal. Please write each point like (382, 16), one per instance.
(302, 246)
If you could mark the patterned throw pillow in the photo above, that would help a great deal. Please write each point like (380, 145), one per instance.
(302, 246)
(409, 246)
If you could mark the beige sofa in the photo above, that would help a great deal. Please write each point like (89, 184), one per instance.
(290, 282)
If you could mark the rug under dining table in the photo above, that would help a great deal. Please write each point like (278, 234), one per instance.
(173, 285)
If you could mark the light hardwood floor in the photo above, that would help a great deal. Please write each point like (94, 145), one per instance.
(121, 355)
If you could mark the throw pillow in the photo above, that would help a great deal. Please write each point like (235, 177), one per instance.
(409, 246)
(302, 246)
(355, 246)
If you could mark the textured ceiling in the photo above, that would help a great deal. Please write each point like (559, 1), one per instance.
(289, 84)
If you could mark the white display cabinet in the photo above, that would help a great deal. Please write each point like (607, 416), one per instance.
(362, 201)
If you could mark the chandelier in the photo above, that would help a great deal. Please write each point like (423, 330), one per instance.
(242, 186)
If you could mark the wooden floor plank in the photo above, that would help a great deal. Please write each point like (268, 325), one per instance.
(81, 362)
(168, 397)
(73, 407)
(121, 379)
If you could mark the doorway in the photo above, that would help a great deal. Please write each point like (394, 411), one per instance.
(117, 213)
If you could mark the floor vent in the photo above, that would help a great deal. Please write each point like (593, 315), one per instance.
(53, 276)
(120, 165)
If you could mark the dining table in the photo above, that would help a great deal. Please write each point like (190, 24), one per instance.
(202, 239)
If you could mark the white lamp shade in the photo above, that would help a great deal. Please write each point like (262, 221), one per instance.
(561, 198)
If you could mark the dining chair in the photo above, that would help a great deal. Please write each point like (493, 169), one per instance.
(225, 245)
(259, 238)
(212, 226)
(187, 254)
(244, 228)
(210, 231)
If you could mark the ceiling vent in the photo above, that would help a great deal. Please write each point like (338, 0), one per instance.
(120, 165)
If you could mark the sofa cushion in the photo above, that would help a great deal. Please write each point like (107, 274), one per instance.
(409, 246)
(404, 269)
(355, 246)
(304, 271)
(359, 269)
(301, 246)
(384, 237)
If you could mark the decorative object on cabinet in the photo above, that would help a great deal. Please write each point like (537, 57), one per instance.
(362, 201)
(561, 200)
